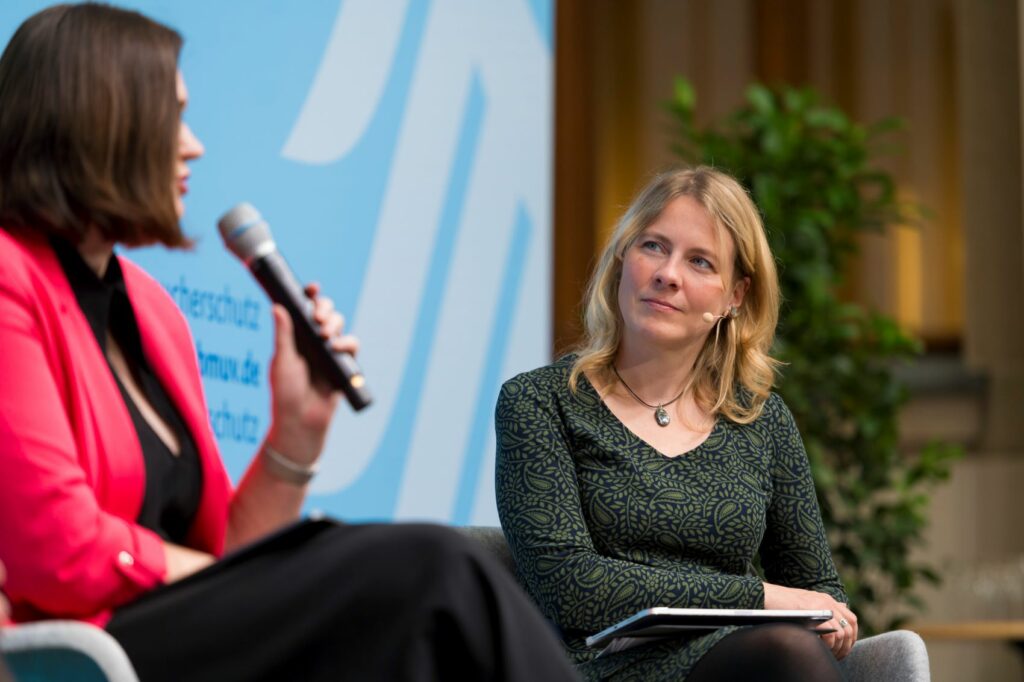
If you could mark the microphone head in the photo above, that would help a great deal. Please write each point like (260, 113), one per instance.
(246, 233)
(708, 317)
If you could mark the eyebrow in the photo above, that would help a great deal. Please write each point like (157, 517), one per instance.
(651, 233)
(701, 251)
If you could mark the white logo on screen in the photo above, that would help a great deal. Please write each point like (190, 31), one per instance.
(498, 44)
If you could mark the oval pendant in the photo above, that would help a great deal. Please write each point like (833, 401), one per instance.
(661, 416)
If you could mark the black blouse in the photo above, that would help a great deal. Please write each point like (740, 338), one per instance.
(173, 482)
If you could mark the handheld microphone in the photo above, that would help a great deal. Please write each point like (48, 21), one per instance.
(248, 236)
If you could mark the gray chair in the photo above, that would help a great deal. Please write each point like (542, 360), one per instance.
(64, 650)
(898, 656)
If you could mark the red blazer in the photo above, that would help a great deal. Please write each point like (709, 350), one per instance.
(72, 476)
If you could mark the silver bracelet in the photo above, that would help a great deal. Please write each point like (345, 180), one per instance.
(285, 469)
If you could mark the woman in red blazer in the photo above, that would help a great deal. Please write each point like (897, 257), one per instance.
(114, 502)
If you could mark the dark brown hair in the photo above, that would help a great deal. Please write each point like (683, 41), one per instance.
(89, 122)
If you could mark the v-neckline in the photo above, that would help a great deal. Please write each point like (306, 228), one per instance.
(681, 456)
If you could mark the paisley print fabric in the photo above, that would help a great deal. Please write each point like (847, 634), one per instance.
(601, 525)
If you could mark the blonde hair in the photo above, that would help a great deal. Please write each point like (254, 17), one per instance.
(733, 360)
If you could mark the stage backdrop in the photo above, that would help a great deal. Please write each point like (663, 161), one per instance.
(401, 152)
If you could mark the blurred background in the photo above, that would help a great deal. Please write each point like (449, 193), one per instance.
(951, 70)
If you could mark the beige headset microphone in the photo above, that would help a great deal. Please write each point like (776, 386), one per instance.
(710, 319)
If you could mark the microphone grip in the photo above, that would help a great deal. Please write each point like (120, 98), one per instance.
(339, 370)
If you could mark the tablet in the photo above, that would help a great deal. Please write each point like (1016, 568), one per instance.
(662, 621)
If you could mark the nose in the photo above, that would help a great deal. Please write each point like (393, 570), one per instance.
(667, 275)
(189, 146)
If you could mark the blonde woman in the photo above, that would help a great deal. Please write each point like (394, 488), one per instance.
(650, 467)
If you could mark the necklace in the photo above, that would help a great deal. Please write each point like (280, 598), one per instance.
(660, 413)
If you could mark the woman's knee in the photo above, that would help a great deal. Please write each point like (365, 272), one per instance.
(427, 548)
(777, 651)
(788, 648)
(427, 542)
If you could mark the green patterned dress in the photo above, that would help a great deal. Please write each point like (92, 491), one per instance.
(602, 525)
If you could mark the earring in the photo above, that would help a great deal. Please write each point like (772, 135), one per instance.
(734, 312)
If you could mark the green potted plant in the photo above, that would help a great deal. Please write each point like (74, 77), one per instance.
(809, 169)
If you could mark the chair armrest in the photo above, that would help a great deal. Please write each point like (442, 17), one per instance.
(899, 656)
(64, 650)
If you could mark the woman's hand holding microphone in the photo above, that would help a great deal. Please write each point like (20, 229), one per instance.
(301, 407)
(272, 492)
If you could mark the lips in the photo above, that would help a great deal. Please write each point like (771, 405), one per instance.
(658, 304)
(183, 185)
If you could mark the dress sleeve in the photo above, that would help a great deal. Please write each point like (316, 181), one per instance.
(795, 550)
(539, 505)
(65, 555)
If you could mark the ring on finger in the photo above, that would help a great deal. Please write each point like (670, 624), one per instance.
(843, 623)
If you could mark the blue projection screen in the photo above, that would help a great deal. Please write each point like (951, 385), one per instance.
(401, 152)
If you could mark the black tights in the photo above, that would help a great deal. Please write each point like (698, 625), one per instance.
(777, 652)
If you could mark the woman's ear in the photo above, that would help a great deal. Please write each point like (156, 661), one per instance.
(739, 291)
